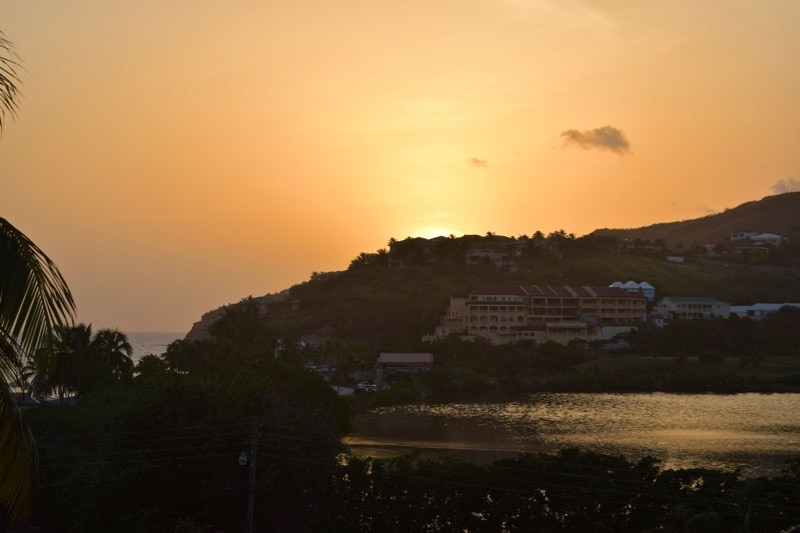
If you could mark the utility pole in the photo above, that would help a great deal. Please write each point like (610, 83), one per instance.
(251, 487)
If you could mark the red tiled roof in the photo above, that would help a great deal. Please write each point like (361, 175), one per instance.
(559, 291)
(615, 292)
(500, 289)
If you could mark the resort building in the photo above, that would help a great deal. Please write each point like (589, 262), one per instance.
(684, 307)
(506, 313)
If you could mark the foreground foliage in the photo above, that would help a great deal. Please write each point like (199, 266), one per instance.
(34, 299)
(567, 491)
(160, 452)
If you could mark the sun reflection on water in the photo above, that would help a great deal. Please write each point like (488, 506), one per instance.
(755, 433)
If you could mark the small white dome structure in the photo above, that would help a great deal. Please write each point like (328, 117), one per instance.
(643, 288)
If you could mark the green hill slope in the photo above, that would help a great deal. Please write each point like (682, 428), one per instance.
(393, 308)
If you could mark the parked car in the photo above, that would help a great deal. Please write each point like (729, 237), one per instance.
(364, 386)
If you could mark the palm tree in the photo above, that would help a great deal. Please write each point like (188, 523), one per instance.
(35, 373)
(114, 351)
(33, 299)
(70, 360)
(149, 366)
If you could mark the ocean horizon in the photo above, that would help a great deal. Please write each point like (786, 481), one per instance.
(152, 342)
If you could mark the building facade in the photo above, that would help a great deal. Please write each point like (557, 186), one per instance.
(685, 307)
(506, 313)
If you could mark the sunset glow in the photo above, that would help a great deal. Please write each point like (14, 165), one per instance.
(175, 157)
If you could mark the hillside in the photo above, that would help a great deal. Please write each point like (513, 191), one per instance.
(774, 214)
(393, 307)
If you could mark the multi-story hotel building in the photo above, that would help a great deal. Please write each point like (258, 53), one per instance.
(511, 312)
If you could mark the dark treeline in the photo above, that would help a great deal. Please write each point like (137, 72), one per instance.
(158, 450)
(777, 333)
(525, 251)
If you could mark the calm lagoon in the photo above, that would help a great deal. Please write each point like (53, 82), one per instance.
(755, 433)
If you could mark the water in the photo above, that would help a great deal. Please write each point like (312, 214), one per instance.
(150, 342)
(754, 433)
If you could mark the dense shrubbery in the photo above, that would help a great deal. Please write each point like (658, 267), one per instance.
(567, 491)
(776, 334)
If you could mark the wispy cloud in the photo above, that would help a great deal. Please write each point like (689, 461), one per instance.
(605, 138)
(786, 185)
(475, 162)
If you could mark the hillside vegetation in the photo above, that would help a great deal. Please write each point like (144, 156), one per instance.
(391, 308)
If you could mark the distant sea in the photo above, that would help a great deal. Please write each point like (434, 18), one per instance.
(151, 342)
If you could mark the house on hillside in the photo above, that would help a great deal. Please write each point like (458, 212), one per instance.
(754, 238)
(413, 251)
(689, 307)
(502, 254)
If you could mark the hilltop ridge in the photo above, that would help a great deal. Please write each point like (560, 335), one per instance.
(776, 214)
(395, 307)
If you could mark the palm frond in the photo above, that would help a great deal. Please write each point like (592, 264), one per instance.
(34, 297)
(18, 459)
(9, 93)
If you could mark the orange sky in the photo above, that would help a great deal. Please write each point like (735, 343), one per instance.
(172, 157)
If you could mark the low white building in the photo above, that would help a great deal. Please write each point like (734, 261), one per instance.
(758, 311)
(759, 239)
(690, 307)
